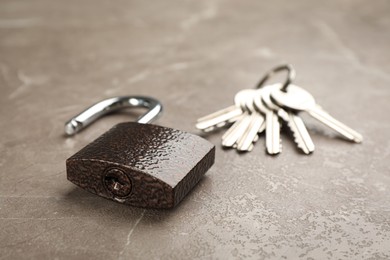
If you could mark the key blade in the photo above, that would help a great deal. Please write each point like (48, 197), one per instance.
(262, 128)
(231, 139)
(321, 115)
(245, 143)
(217, 113)
(232, 128)
(220, 119)
(300, 133)
(272, 133)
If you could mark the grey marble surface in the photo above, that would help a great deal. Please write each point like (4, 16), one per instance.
(58, 57)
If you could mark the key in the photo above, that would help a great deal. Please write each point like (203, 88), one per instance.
(297, 99)
(255, 127)
(294, 122)
(230, 138)
(272, 125)
(298, 129)
(223, 116)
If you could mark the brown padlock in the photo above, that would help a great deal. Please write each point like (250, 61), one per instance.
(137, 163)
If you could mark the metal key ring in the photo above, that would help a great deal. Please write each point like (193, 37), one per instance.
(290, 76)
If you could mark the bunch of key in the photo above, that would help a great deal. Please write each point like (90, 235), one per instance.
(266, 108)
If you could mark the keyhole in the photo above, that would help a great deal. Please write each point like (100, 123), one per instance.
(117, 182)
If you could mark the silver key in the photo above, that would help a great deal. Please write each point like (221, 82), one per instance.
(238, 128)
(294, 122)
(223, 116)
(272, 125)
(256, 126)
(230, 138)
(298, 129)
(298, 99)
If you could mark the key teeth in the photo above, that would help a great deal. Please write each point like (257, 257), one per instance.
(295, 135)
(297, 139)
(280, 138)
(280, 145)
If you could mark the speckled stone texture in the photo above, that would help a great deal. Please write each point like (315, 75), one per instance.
(58, 57)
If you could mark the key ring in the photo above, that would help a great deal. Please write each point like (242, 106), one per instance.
(290, 76)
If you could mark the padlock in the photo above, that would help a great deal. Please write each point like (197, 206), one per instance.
(137, 163)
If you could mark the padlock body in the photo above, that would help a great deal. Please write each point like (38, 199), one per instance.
(142, 165)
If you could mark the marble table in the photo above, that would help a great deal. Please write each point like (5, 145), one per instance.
(58, 57)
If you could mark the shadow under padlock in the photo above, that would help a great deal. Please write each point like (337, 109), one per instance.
(137, 163)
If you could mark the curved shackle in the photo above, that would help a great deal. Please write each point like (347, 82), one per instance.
(290, 76)
(91, 114)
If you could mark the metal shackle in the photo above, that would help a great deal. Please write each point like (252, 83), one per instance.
(91, 114)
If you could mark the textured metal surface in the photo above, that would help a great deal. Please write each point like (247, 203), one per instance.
(58, 57)
(163, 164)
